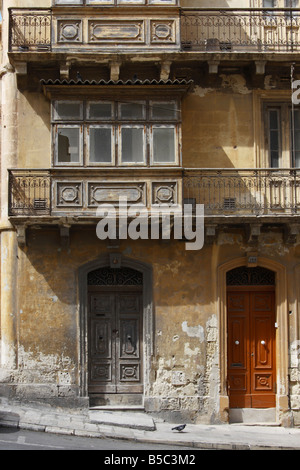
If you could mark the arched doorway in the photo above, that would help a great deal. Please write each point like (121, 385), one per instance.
(251, 337)
(282, 357)
(115, 336)
(116, 331)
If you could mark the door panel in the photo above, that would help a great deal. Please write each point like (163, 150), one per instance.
(251, 349)
(263, 346)
(115, 332)
(238, 358)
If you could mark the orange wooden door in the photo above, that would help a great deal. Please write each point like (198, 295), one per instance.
(251, 349)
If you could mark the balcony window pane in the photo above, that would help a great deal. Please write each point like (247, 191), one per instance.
(131, 2)
(164, 111)
(68, 2)
(295, 139)
(100, 2)
(70, 110)
(162, 2)
(132, 145)
(268, 3)
(132, 111)
(274, 137)
(98, 110)
(100, 145)
(68, 145)
(164, 145)
(291, 3)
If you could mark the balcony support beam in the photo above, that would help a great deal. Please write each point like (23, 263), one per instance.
(165, 70)
(65, 70)
(21, 235)
(20, 68)
(213, 66)
(65, 236)
(210, 233)
(291, 232)
(115, 70)
(260, 67)
(252, 233)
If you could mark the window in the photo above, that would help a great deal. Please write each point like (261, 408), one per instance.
(283, 136)
(291, 3)
(115, 2)
(109, 133)
(268, 3)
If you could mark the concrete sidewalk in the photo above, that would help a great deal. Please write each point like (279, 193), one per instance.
(143, 428)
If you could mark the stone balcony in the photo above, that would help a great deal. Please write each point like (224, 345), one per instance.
(77, 194)
(163, 35)
(245, 198)
(154, 28)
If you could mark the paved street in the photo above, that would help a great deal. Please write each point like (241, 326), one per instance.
(32, 428)
(16, 439)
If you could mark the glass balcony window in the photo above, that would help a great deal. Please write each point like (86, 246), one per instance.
(107, 133)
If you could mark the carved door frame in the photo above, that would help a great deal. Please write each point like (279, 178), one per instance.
(148, 335)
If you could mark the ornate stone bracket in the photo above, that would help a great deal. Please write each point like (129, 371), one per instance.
(252, 233)
(260, 67)
(210, 233)
(65, 236)
(290, 233)
(213, 66)
(21, 235)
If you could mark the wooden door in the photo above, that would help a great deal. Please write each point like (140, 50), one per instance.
(115, 342)
(251, 349)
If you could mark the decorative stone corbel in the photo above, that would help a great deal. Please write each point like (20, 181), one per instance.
(65, 236)
(165, 70)
(252, 233)
(213, 66)
(65, 71)
(290, 233)
(21, 235)
(115, 70)
(260, 67)
(210, 233)
(20, 68)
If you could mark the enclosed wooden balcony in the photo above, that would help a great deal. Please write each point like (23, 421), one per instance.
(245, 200)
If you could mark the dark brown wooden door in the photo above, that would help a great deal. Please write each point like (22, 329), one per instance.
(115, 342)
(251, 349)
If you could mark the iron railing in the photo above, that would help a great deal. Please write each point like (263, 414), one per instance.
(224, 192)
(222, 30)
(30, 29)
(228, 30)
(235, 192)
(29, 192)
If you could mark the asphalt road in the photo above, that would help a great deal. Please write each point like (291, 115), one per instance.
(16, 439)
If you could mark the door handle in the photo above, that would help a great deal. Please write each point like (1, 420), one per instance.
(262, 342)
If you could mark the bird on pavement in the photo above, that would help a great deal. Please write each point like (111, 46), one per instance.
(179, 428)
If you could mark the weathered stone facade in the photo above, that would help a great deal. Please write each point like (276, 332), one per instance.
(46, 255)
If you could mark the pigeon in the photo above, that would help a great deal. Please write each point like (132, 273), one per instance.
(179, 428)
